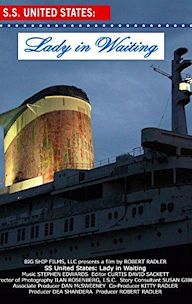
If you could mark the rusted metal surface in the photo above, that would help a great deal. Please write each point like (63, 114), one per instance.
(51, 142)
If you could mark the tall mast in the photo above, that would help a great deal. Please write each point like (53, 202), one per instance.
(180, 98)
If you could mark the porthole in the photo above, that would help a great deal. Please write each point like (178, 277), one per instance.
(170, 207)
(115, 214)
(134, 211)
(140, 209)
(109, 215)
(163, 207)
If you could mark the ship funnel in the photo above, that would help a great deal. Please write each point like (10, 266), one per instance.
(49, 132)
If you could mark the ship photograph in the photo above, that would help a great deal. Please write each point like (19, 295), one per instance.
(58, 202)
(96, 154)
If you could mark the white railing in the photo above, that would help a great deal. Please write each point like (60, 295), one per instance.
(134, 152)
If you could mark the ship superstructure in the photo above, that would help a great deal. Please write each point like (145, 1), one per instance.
(140, 201)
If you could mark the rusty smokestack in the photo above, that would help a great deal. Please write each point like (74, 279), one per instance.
(49, 132)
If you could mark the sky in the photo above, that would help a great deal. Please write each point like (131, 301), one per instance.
(126, 96)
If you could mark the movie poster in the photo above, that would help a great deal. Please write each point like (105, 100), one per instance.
(95, 150)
